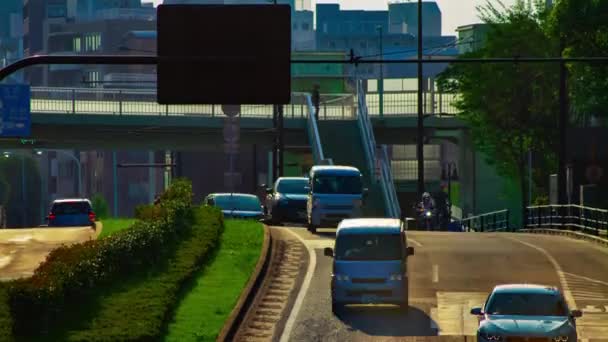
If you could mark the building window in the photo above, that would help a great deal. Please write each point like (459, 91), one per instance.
(324, 27)
(305, 26)
(332, 45)
(92, 42)
(92, 78)
(76, 45)
(56, 10)
(363, 44)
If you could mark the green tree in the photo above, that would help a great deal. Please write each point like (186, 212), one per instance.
(21, 213)
(510, 108)
(100, 206)
(583, 28)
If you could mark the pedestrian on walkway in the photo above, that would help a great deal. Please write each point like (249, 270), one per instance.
(316, 99)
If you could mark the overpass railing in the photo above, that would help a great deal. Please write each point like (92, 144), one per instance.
(495, 221)
(313, 134)
(143, 102)
(377, 161)
(568, 217)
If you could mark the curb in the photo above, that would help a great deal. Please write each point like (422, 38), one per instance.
(98, 228)
(568, 233)
(237, 315)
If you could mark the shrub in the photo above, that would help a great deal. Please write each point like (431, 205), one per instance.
(148, 212)
(100, 206)
(70, 273)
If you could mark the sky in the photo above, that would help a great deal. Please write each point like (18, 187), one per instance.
(454, 12)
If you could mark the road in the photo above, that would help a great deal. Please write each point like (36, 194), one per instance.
(449, 274)
(22, 250)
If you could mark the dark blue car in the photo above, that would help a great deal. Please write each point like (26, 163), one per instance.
(234, 205)
(76, 212)
(286, 201)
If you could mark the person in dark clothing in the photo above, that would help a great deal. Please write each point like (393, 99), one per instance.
(316, 99)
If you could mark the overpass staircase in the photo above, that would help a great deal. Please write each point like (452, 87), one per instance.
(352, 143)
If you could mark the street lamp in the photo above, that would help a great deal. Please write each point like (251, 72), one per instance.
(381, 78)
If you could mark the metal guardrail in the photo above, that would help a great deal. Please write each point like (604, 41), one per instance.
(372, 156)
(495, 221)
(568, 217)
(143, 102)
(313, 134)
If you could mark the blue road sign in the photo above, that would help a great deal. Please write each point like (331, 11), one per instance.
(15, 118)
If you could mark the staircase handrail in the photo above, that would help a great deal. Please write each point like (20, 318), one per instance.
(313, 132)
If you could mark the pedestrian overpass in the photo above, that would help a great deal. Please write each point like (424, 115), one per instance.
(349, 130)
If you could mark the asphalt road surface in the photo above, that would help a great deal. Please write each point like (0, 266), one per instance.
(449, 274)
(22, 250)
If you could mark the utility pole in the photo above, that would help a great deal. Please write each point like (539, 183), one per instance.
(278, 145)
(420, 126)
(381, 78)
(563, 121)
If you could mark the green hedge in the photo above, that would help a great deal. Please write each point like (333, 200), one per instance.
(140, 308)
(71, 274)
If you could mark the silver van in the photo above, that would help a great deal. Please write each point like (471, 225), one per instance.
(335, 193)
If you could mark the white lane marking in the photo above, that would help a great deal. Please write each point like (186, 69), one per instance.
(434, 319)
(414, 242)
(435, 273)
(5, 260)
(591, 309)
(558, 269)
(591, 280)
(295, 310)
(21, 238)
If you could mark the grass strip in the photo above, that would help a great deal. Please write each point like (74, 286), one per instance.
(111, 226)
(214, 291)
(138, 308)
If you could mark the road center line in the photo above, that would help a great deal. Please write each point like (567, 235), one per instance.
(414, 242)
(303, 289)
(435, 273)
(558, 269)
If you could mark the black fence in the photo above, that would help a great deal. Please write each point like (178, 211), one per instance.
(568, 217)
(496, 221)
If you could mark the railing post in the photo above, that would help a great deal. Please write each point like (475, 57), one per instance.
(481, 223)
(120, 102)
(539, 209)
(507, 221)
(73, 101)
(551, 217)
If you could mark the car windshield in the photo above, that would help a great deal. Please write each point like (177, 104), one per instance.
(369, 247)
(526, 304)
(335, 184)
(292, 186)
(71, 208)
(244, 203)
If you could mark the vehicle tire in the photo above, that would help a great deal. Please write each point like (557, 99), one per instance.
(336, 308)
(312, 228)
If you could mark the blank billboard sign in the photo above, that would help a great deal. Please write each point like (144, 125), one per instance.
(224, 54)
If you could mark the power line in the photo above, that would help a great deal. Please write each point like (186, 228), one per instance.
(451, 44)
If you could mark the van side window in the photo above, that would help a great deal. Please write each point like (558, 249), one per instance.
(210, 201)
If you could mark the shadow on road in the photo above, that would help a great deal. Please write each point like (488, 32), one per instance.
(387, 321)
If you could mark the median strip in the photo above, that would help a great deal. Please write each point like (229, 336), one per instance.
(215, 290)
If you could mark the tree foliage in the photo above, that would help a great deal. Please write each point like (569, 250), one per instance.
(100, 206)
(510, 108)
(19, 212)
(583, 28)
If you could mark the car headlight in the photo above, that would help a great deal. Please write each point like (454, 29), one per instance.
(429, 214)
(341, 277)
(395, 276)
(491, 337)
(560, 339)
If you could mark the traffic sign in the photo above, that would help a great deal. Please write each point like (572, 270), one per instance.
(15, 110)
(231, 110)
